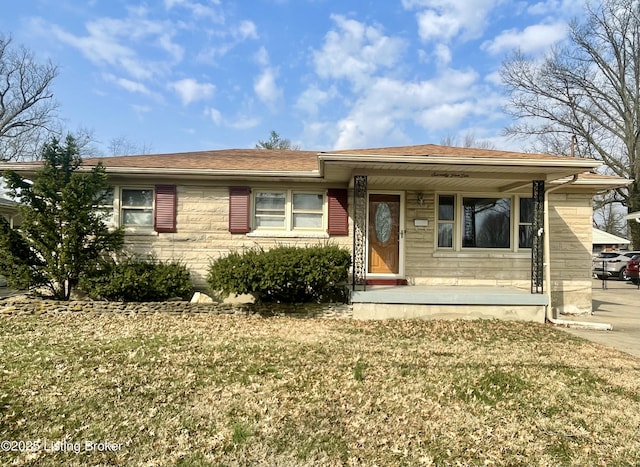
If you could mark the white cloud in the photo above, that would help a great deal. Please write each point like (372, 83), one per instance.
(543, 8)
(243, 122)
(446, 115)
(266, 88)
(245, 30)
(229, 39)
(442, 20)
(382, 106)
(389, 104)
(313, 98)
(443, 54)
(111, 42)
(141, 109)
(262, 56)
(556, 7)
(355, 51)
(198, 9)
(433, 25)
(190, 90)
(214, 115)
(537, 37)
(238, 122)
(127, 84)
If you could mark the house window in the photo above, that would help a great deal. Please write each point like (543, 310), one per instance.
(288, 210)
(270, 209)
(140, 209)
(525, 224)
(307, 210)
(446, 210)
(106, 207)
(136, 207)
(486, 222)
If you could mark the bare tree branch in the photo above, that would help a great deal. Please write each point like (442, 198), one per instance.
(586, 94)
(468, 141)
(27, 107)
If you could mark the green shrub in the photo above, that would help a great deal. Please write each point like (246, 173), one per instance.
(283, 274)
(134, 279)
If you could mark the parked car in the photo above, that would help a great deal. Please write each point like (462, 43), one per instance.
(612, 264)
(633, 269)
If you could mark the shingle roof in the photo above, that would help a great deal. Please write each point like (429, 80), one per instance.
(435, 150)
(294, 161)
(228, 159)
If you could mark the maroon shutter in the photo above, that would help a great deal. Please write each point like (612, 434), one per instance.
(239, 209)
(338, 213)
(164, 217)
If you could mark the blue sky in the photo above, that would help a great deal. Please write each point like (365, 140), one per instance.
(188, 75)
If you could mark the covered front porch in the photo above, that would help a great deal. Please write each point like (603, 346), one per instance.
(448, 302)
(476, 233)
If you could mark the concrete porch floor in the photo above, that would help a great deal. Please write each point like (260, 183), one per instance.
(447, 302)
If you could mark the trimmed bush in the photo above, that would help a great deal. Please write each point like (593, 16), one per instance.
(283, 274)
(135, 279)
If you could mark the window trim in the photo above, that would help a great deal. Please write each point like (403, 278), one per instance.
(451, 222)
(278, 216)
(288, 229)
(122, 208)
(109, 220)
(498, 198)
(118, 209)
(514, 223)
(518, 223)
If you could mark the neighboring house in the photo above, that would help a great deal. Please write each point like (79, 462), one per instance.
(604, 241)
(10, 211)
(464, 225)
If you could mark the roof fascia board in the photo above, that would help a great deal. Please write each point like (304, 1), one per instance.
(158, 171)
(619, 183)
(212, 172)
(580, 164)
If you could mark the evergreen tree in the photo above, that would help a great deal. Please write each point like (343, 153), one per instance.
(62, 234)
(276, 142)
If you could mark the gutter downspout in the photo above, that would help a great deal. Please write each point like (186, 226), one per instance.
(547, 271)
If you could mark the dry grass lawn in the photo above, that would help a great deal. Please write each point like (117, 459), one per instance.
(201, 390)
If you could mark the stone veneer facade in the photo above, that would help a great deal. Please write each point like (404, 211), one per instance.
(202, 235)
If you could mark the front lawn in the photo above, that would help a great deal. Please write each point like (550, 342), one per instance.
(200, 390)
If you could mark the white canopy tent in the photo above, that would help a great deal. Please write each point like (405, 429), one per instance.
(600, 237)
(633, 216)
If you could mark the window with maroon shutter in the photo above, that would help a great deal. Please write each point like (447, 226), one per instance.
(338, 214)
(239, 209)
(164, 219)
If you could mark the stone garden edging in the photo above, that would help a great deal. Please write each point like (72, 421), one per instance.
(35, 306)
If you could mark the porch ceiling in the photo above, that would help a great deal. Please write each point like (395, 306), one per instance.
(447, 177)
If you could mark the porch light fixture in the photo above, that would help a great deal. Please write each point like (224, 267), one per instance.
(420, 198)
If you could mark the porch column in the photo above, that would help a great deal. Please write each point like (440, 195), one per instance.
(537, 246)
(359, 231)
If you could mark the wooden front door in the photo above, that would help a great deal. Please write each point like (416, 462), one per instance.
(384, 234)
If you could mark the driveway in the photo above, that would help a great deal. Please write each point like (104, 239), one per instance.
(619, 305)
